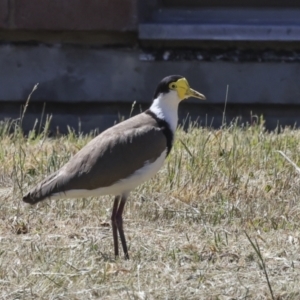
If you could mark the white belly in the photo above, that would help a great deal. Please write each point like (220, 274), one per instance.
(121, 187)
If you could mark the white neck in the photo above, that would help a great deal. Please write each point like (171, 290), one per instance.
(165, 106)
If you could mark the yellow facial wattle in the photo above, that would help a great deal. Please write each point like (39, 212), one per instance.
(184, 91)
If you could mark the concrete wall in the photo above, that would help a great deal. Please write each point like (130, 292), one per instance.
(79, 75)
(91, 65)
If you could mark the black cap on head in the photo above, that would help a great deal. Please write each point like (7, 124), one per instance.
(163, 86)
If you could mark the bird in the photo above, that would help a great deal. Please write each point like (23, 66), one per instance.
(122, 157)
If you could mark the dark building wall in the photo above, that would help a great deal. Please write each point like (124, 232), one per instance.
(110, 15)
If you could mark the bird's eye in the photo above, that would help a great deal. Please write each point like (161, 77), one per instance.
(173, 86)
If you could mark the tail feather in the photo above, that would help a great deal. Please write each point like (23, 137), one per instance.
(43, 190)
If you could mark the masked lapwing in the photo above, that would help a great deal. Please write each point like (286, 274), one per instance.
(122, 157)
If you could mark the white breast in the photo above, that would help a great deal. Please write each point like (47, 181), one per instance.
(165, 107)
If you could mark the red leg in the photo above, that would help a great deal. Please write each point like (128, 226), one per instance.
(119, 221)
(114, 225)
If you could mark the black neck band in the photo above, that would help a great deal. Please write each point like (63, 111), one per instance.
(165, 127)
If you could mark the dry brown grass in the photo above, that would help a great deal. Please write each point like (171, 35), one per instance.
(186, 228)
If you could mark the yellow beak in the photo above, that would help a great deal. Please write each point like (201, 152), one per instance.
(192, 93)
(184, 91)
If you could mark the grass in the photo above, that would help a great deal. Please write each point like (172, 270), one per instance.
(219, 221)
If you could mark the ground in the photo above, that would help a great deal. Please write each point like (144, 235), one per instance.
(219, 221)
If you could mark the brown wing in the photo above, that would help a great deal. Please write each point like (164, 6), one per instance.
(113, 155)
